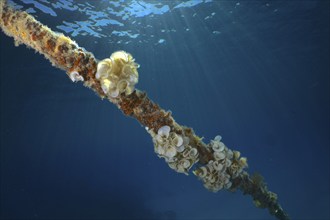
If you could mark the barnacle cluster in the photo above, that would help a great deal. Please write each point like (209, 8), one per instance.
(227, 164)
(117, 74)
(175, 149)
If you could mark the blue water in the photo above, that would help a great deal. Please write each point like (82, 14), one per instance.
(255, 72)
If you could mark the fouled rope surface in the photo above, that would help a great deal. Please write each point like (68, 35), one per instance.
(114, 78)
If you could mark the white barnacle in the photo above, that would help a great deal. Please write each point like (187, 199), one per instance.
(202, 173)
(229, 154)
(75, 77)
(219, 155)
(217, 166)
(210, 166)
(193, 152)
(177, 140)
(170, 152)
(105, 85)
(228, 162)
(160, 150)
(186, 152)
(164, 131)
(185, 140)
(180, 148)
(243, 162)
(219, 186)
(103, 68)
(173, 165)
(217, 146)
(237, 154)
(127, 70)
(114, 93)
(120, 55)
(185, 163)
(212, 179)
(122, 85)
(133, 79)
(160, 139)
(217, 138)
(222, 146)
(228, 185)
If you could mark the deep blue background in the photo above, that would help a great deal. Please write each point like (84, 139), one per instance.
(263, 85)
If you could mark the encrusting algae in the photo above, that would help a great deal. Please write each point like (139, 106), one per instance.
(114, 78)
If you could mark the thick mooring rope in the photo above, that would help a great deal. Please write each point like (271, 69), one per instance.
(114, 78)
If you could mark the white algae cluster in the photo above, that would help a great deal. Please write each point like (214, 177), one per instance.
(117, 74)
(227, 164)
(175, 149)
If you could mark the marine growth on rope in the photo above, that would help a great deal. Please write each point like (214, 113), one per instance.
(117, 74)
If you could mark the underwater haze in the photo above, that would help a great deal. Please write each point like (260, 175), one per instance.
(255, 72)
